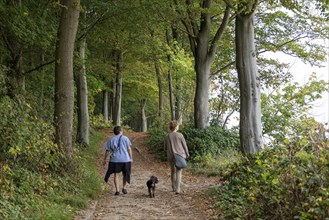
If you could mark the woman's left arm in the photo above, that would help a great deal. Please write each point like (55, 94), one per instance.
(130, 153)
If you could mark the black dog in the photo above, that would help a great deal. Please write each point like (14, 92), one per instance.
(151, 185)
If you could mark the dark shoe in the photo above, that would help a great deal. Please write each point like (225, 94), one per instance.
(124, 191)
(117, 193)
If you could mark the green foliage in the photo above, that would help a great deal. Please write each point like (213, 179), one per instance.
(155, 140)
(283, 112)
(25, 138)
(51, 194)
(215, 165)
(3, 73)
(210, 141)
(206, 146)
(288, 182)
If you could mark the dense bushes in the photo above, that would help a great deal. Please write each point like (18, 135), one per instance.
(283, 183)
(155, 142)
(26, 139)
(35, 182)
(203, 144)
(210, 141)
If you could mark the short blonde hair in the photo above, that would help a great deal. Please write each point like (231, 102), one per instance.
(173, 125)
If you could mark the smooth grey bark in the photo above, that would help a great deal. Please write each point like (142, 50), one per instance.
(160, 93)
(105, 105)
(249, 80)
(82, 99)
(171, 94)
(64, 82)
(144, 118)
(203, 49)
(170, 83)
(112, 107)
(178, 104)
(118, 89)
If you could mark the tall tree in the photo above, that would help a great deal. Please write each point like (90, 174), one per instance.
(82, 91)
(197, 20)
(64, 82)
(160, 89)
(118, 87)
(82, 98)
(251, 140)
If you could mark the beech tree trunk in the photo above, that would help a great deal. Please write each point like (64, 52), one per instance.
(179, 113)
(170, 83)
(118, 90)
(64, 93)
(171, 94)
(201, 98)
(113, 98)
(160, 95)
(249, 80)
(144, 119)
(203, 48)
(105, 105)
(82, 99)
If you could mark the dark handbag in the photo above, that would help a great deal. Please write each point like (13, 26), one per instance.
(180, 161)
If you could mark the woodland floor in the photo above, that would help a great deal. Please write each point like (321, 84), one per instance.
(191, 204)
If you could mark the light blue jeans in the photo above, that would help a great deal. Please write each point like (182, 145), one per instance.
(176, 177)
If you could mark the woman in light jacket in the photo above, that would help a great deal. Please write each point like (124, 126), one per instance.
(175, 144)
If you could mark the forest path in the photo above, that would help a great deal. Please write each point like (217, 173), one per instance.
(191, 204)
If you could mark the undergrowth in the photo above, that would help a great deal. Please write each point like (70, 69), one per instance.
(287, 182)
(211, 149)
(36, 182)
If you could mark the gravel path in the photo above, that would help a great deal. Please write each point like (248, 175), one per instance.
(191, 204)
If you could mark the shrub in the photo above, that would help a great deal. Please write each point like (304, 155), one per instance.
(155, 142)
(281, 183)
(205, 145)
(210, 141)
(26, 139)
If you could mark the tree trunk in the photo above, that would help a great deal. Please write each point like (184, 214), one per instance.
(170, 84)
(249, 80)
(82, 99)
(118, 90)
(64, 93)
(171, 94)
(105, 105)
(203, 49)
(144, 119)
(179, 113)
(113, 98)
(160, 96)
(201, 99)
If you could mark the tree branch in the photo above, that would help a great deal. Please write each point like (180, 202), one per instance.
(221, 69)
(39, 67)
(219, 32)
(285, 43)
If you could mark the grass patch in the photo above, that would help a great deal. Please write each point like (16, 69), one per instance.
(215, 166)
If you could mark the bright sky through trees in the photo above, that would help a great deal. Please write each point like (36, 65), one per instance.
(302, 72)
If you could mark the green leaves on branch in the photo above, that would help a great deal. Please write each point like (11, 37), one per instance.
(283, 111)
(288, 182)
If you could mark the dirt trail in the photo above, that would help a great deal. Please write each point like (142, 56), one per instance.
(137, 205)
